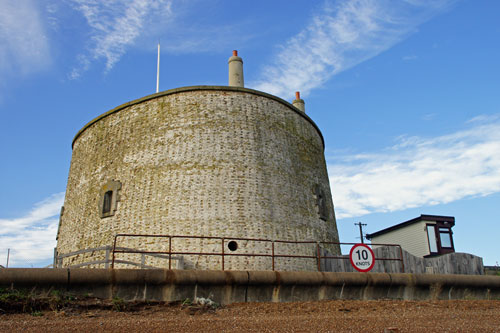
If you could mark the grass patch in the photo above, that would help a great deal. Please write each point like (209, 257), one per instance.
(31, 301)
(119, 304)
(36, 302)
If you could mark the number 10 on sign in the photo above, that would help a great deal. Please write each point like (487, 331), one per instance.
(362, 257)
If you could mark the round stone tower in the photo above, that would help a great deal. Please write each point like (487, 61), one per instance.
(211, 161)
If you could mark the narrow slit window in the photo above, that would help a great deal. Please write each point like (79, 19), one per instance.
(319, 193)
(431, 234)
(106, 206)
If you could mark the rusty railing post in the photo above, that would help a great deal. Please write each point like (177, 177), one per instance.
(169, 252)
(222, 252)
(402, 259)
(273, 254)
(319, 257)
(114, 248)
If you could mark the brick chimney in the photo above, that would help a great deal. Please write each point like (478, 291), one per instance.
(299, 103)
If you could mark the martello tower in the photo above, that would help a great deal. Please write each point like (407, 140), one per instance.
(221, 161)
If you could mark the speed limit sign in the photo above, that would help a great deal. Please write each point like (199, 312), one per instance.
(362, 257)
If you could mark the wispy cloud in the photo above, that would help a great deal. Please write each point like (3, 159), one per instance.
(419, 171)
(32, 237)
(115, 26)
(343, 34)
(24, 47)
(410, 57)
(198, 38)
(429, 116)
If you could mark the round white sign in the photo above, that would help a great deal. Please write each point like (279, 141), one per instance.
(362, 257)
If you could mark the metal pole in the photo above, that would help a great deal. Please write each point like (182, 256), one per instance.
(158, 70)
(54, 262)
(8, 255)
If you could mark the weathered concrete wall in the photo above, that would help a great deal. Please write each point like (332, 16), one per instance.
(450, 263)
(251, 286)
(211, 161)
(492, 270)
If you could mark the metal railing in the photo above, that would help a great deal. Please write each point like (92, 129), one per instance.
(58, 258)
(223, 253)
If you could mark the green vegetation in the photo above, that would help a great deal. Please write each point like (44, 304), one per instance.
(29, 301)
(36, 302)
(187, 302)
(119, 304)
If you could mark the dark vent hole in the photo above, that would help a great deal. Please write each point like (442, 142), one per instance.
(232, 245)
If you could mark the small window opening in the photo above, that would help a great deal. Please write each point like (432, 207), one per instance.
(106, 207)
(445, 236)
(232, 246)
(109, 197)
(321, 202)
(440, 239)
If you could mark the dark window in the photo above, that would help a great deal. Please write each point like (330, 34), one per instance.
(440, 239)
(106, 206)
(445, 235)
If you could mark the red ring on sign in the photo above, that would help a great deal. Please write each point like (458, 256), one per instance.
(352, 262)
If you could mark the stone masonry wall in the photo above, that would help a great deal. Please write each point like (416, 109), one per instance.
(207, 161)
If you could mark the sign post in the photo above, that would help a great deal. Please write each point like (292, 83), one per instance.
(362, 258)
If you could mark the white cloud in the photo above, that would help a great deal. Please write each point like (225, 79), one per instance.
(410, 57)
(429, 116)
(115, 26)
(419, 171)
(343, 35)
(24, 47)
(32, 237)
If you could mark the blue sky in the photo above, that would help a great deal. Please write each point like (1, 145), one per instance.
(406, 94)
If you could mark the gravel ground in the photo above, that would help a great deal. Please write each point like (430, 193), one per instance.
(322, 316)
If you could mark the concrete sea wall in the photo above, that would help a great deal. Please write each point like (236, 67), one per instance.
(227, 287)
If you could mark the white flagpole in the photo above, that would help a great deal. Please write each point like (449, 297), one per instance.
(158, 70)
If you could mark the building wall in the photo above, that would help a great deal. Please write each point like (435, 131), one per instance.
(412, 238)
(210, 161)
